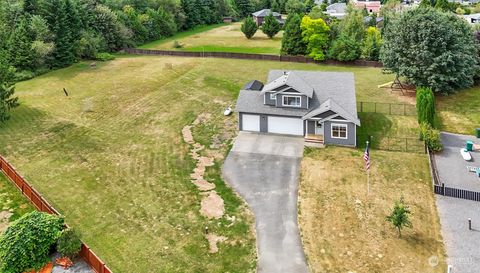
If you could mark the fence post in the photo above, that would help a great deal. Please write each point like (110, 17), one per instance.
(443, 189)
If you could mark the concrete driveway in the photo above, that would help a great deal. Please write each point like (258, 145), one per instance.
(264, 170)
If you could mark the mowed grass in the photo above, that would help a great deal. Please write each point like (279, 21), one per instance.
(220, 38)
(12, 203)
(343, 230)
(111, 158)
(460, 112)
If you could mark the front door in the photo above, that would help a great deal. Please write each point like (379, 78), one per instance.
(319, 130)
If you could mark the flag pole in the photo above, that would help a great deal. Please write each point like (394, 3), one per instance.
(368, 174)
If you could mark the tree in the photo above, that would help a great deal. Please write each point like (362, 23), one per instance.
(372, 44)
(400, 216)
(7, 89)
(372, 22)
(348, 45)
(292, 42)
(69, 243)
(309, 5)
(20, 46)
(425, 106)
(271, 26)
(244, 7)
(295, 6)
(315, 35)
(249, 27)
(344, 49)
(26, 244)
(440, 54)
(442, 5)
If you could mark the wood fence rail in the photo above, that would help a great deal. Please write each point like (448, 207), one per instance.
(248, 56)
(42, 205)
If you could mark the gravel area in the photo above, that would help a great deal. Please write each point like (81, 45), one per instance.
(462, 244)
(78, 267)
(452, 168)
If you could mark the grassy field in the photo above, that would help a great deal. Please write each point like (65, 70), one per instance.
(111, 158)
(460, 113)
(220, 38)
(344, 231)
(13, 204)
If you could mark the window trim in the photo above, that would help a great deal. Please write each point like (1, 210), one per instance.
(288, 96)
(339, 125)
(273, 96)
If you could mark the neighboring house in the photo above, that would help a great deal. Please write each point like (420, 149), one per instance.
(472, 18)
(337, 10)
(259, 16)
(370, 6)
(321, 106)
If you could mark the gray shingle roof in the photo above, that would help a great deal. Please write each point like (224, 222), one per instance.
(291, 79)
(265, 12)
(336, 87)
(253, 85)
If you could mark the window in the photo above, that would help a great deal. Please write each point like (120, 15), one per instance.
(273, 96)
(293, 101)
(339, 131)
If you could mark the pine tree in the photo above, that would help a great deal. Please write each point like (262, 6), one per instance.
(20, 46)
(63, 54)
(7, 89)
(270, 26)
(30, 7)
(244, 7)
(292, 42)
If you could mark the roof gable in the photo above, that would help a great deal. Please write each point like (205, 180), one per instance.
(331, 105)
(265, 12)
(291, 80)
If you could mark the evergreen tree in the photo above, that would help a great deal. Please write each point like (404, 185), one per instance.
(442, 5)
(30, 7)
(292, 42)
(7, 89)
(309, 5)
(372, 22)
(372, 44)
(270, 26)
(275, 6)
(20, 46)
(244, 7)
(249, 27)
(64, 48)
(425, 106)
(295, 6)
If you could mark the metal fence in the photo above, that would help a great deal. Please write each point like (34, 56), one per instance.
(394, 143)
(396, 109)
(42, 205)
(247, 56)
(457, 193)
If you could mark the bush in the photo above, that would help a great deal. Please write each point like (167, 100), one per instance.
(104, 57)
(431, 137)
(69, 243)
(24, 75)
(177, 44)
(249, 27)
(26, 244)
(271, 26)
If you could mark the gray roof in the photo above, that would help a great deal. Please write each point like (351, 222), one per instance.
(265, 12)
(337, 7)
(292, 80)
(331, 91)
(253, 85)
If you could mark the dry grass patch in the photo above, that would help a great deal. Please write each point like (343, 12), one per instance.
(344, 231)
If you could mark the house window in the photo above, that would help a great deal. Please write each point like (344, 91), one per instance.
(273, 96)
(293, 101)
(339, 131)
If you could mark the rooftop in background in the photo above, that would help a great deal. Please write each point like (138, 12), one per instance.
(266, 12)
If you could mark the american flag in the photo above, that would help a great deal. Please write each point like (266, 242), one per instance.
(366, 157)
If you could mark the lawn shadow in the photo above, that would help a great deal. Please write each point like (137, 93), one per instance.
(375, 128)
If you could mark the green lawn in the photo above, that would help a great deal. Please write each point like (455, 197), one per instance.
(111, 157)
(460, 113)
(220, 38)
(13, 203)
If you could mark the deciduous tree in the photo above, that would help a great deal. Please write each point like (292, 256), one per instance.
(372, 44)
(315, 33)
(400, 216)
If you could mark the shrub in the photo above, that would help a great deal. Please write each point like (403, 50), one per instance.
(249, 27)
(177, 44)
(69, 243)
(425, 106)
(24, 75)
(104, 57)
(26, 244)
(431, 137)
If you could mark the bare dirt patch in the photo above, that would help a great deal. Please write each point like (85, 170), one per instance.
(213, 240)
(212, 205)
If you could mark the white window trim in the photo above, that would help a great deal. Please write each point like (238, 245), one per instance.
(273, 96)
(295, 106)
(339, 125)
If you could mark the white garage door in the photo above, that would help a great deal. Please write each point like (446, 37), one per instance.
(251, 123)
(287, 126)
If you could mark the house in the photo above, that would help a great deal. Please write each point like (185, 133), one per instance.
(321, 106)
(370, 6)
(227, 19)
(259, 16)
(337, 10)
(472, 18)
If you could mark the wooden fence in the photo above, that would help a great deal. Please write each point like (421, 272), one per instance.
(396, 109)
(247, 56)
(42, 205)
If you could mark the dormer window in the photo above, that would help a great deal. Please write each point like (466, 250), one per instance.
(292, 101)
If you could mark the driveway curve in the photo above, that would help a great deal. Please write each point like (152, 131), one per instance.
(264, 170)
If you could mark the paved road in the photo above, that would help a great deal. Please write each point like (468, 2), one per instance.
(264, 170)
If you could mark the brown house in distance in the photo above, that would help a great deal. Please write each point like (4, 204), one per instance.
(259, 16)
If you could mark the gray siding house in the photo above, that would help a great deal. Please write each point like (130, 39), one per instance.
(260, 15)
(321, 106)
